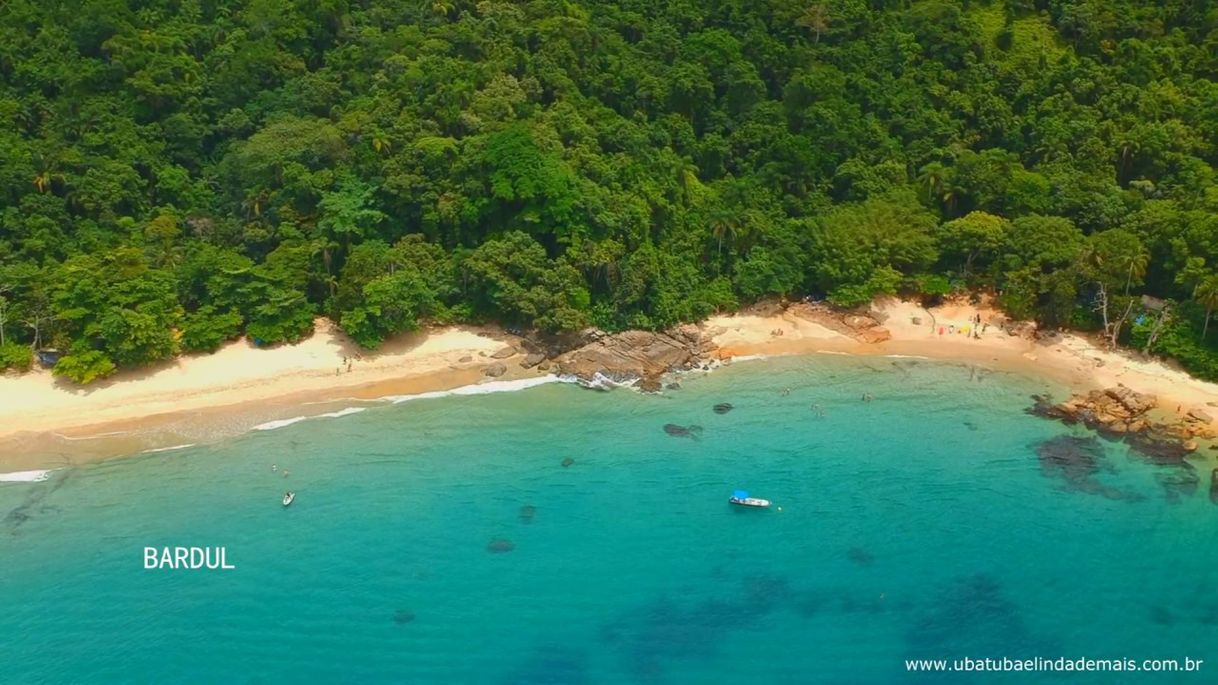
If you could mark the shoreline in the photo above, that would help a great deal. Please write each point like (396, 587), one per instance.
(201, 399)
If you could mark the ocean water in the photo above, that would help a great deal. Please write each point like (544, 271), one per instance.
(936, 521)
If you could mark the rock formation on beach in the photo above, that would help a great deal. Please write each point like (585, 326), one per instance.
(1123, 413)
(642, 356)
(862, 327)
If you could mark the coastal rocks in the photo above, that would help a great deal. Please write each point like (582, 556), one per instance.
(861, 327)
(1121, 413)
(465, 360)
(875, 334)
(677, 431)
(532, 360)
(504, 352)
(495, 370)
(723, 407)
(637, 355)
(500, 546)
(649, 384)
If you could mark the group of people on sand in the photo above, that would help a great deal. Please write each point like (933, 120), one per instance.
(347, 361)
(974, 329)
(776, 332)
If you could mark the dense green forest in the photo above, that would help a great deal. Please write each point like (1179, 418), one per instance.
(175, 173)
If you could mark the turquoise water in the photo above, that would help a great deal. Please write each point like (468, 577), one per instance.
(921, 524)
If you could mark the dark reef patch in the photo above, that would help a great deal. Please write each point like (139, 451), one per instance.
(860, 556)
(678, 431)
(567, 461)
(1076, 462)
(500, 545)
(973, 616)
(550, 663)
(723, 407)
(527, 512)
(403, 616)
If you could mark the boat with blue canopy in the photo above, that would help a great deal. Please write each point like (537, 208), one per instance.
(742, 499)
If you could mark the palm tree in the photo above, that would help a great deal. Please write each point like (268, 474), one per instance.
(1137, 267)
(933, 177)
(687, 179)
(1206, 293)
(816, 19)
(723, 226)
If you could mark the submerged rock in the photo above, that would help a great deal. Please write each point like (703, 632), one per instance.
(723, 407)
(1077, 462)
(403, 616)
(676, 431)
(650, 384)
(1214, 486)
(691, 431)
(860, 556)
(527, 512)
(567, 462)
(499, 546)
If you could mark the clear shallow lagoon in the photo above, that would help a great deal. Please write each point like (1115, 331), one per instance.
(919, 525)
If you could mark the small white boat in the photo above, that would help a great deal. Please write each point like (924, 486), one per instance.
(288, 498)
(741, 499)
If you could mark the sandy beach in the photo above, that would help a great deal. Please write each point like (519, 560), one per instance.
(45, 423)
(1068, 358)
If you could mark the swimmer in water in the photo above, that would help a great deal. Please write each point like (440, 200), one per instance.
(274, 467)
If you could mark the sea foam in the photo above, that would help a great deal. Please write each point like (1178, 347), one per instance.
(169, 449)
(280, 423)
(480, 388)
(25, 476)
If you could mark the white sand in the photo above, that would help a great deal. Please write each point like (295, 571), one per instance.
(237, 373)
(274, 383)
(1070, 358)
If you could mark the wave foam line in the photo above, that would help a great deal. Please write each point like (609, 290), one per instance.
(90, 437)
(26, 476)
(280, 423)
(169, 449)
(905, 356)
(749, 358)
(480, 389)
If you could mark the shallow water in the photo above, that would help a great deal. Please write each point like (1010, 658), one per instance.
(923, 524)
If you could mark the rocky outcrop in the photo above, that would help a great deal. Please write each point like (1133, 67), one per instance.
(1123, 413)
(532, 360)
(495, 370)
(504, 352)
(642, 356)
(861, 327)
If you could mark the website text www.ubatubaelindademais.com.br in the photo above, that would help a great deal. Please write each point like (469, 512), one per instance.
(1058, 665)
